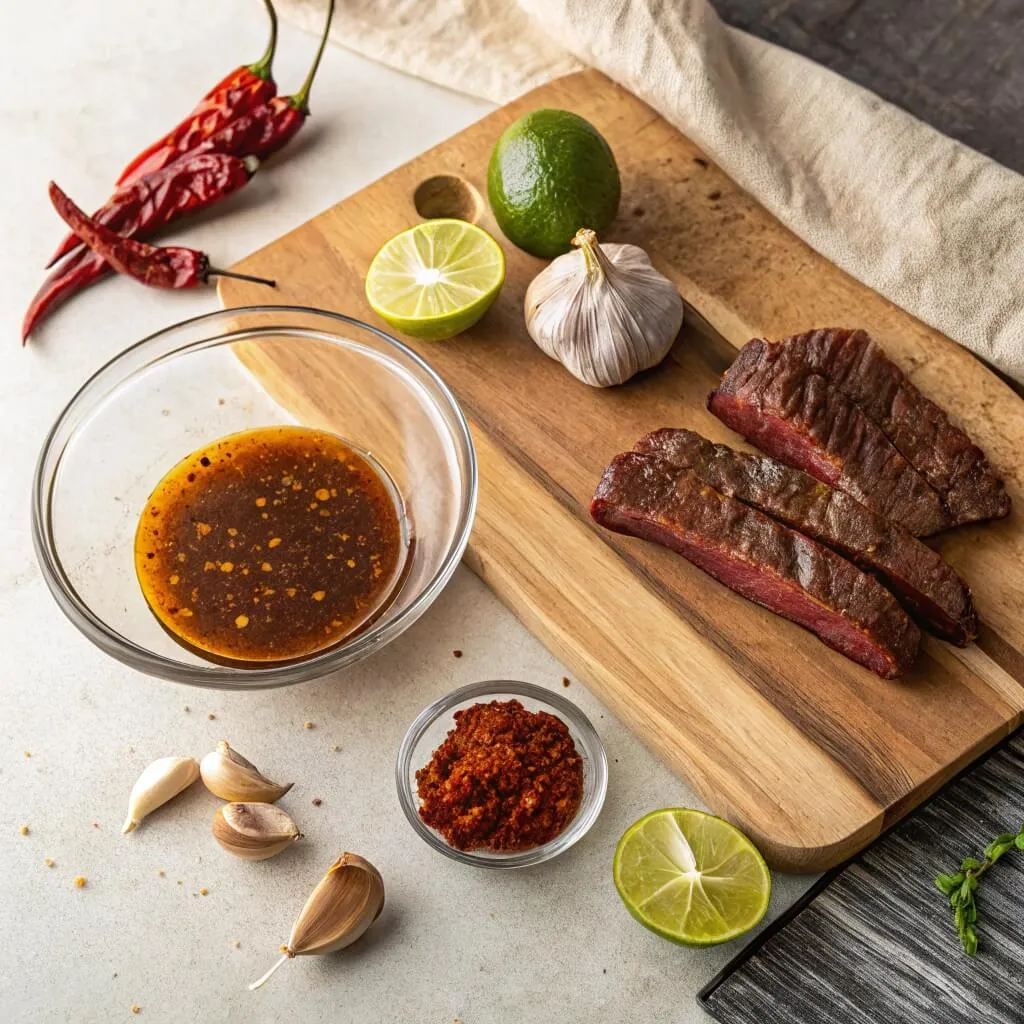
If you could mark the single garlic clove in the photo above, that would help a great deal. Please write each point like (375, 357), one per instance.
(231, 777)
(347, 901)
(163, 779)
(253, 831)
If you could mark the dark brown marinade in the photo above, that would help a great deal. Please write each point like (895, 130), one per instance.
(268, 545)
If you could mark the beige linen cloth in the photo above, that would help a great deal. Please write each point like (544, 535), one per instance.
(931, 224)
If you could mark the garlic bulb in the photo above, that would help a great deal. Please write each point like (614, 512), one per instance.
(163, 779)
(603, 311)
(347, 901)
(231, 777)
(253, 831)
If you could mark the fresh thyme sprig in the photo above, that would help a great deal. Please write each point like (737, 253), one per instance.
(961, 887)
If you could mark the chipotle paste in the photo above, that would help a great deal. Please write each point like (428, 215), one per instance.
(269, 545)
(505, 778)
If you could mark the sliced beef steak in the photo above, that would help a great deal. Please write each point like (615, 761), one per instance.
(800, 418)
(806, 374)
(650, 497)
(928, 587)
(921, 431)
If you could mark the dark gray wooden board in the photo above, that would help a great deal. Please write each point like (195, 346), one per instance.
(876, 943)
(953, 63)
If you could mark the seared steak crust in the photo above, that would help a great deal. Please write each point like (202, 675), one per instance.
(832, 402)
(796, 415)
(650, 497)
(919, 429)
(928, 587)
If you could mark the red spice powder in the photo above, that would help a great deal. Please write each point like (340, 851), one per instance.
(504, 779)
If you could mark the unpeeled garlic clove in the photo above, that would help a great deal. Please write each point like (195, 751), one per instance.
(231, 777)
(347, 901)
(163, 779)
(253, 831)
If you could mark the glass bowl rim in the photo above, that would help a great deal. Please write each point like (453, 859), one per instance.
(590, 805)
(225, 677)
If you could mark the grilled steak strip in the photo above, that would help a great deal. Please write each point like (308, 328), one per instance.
(928, 587)
(647, 496)
(799, 417)
(921, 431)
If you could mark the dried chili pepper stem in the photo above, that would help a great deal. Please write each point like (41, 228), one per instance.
(300, 101)
(171, 266)
(262, 67)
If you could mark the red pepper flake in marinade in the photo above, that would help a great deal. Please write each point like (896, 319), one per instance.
(269, 545)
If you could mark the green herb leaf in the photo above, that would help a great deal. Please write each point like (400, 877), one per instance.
(961, 886)
(949, 883)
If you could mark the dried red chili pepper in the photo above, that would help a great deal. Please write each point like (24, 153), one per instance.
(159, 266)
(140, 209)
(243, 89)
(156, 199)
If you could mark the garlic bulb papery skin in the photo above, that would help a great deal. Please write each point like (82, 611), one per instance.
(159, 782)
(603, 311)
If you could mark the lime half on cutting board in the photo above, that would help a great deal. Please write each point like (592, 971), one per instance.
(437, 279)
(691, 877)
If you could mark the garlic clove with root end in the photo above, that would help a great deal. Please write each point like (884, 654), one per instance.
(231, 777)
(347, 901)
(254, 831)
(163, 779)
(603, 311)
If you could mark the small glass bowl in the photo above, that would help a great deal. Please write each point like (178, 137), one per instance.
(200, 380)
(429, 730)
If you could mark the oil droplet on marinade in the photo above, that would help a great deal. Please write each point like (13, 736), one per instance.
(269, 545)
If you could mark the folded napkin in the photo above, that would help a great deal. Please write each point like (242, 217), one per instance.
(929, 223)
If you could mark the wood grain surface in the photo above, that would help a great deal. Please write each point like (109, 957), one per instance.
(878, 944)
(809, 753)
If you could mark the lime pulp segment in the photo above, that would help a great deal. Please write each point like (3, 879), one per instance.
(691, 877)
(437, 278)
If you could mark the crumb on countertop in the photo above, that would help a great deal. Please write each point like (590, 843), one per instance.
(308, 725)
(566, 681)
(49, 862)
(185, 707)
(136, 1008)
(236, 944)
(317, 801)
(204, 891)
(28, 753)
(24, 830)
(335, 748)
(456, 654)
(81, 881)
(211, 716)
(162, 873)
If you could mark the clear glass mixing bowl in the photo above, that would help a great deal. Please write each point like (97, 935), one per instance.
(214, 375)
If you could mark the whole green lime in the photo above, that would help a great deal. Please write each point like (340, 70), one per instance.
(552, 173)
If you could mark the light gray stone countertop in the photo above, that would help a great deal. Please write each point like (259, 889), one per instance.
(85, 86)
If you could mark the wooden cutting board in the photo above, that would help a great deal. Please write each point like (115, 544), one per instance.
(808, 752)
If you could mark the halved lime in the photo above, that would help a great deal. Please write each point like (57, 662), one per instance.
(691, 877)
(436, 279)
